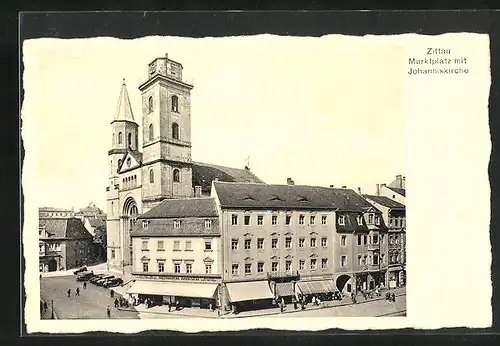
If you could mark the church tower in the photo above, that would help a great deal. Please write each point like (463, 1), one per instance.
(166, 120)
(124, 138)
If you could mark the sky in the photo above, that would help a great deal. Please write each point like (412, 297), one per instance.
(323, 111)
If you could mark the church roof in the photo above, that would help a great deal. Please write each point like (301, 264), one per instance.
(69, 228)
(205, 173)
(124, 108)
(251, 195)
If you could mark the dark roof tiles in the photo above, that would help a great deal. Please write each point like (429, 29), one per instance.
(402, 192)
(385, 201)
(188, 227)
(182, 208)
(72, 228)
(248, 195)
(204, 174)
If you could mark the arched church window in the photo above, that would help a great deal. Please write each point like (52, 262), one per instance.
(175, 131)
(175, 103)
(151, 176)
(120, 138)
(151, 132)
(136, 140)
(130, 139)
(150, 104)
(177, 176)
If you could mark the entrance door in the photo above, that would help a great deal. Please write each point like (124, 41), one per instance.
(52, 265)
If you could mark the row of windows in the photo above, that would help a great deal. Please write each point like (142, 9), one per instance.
(397, 222)
(175, 131)
(368, 260)
(188, 267)
(160, 245)
(274, 220)
(174, 104)
(313, 265)
(274, 243)
(301, 220)
(129, 182)
(176, 176)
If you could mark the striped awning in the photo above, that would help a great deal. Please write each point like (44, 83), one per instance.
(284, 289)
(316, 287)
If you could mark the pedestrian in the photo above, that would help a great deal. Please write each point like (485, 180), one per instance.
(45, 306)
(295, 304)
(84, 285)
(281, 307)
(177, 305)
(78, 291)
(112, 293)
(218, 311)
(169, 306)
(116, 303)
(393, 297)
(69, 293)
(108, 311)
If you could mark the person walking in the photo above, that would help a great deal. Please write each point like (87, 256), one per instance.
(108, 311)
(78, 291)
(69, 292)
(116, 303)
(84, 285)
(393, 298)
(112, 293)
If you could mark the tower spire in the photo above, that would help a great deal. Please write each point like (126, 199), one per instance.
(124, 108)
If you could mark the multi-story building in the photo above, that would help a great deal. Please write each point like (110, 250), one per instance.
(138, 181)
(176, 248)
(64, 243)
(394, 215)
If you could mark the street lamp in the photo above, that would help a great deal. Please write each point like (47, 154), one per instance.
(52, 310)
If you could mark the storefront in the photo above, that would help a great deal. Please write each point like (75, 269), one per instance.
(249, 295)
(188, 294)
(395, 277)
(321, 288)
(285, 291)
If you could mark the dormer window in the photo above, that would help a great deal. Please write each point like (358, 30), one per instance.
(342, 220)
(370, 218)
(360, 220)
(145, 224)
(177, 223)
(208, 223)
(377, 220)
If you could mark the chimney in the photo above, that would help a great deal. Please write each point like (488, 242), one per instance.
(403, 183)
(332, 186)
(359, 190)
(289, 181)
(378, 189)
(197, 191)
(344, 187)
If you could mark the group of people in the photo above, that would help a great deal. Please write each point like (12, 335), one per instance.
(77, 291)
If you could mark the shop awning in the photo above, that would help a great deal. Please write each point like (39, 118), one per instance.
(316, 287)
(284, 289)
(255, 290)
(177, 289)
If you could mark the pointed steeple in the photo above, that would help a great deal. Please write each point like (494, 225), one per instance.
(124, 109)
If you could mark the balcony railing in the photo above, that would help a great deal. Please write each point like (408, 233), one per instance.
(283, 274)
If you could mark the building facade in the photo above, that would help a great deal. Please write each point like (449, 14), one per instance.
(176, 248)
(394, 215)
(64, 243)
(140, 180)
(395, 190)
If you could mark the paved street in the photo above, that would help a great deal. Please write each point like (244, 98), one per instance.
(91, 304)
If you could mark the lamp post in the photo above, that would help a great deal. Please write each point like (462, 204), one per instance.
(52, 310)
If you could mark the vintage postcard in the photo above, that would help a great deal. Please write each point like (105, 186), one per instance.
(294, 183)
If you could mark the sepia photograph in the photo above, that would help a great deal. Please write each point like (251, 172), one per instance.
(238, 178)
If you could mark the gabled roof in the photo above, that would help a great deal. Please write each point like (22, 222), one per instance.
(124, 108)
(137, 155)
(97, 222)
(402, 192)
(182, 208)
(71, 228)
(385, 201)
(204, 174)
(289, 196)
